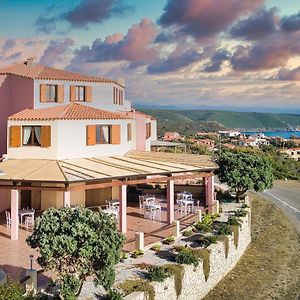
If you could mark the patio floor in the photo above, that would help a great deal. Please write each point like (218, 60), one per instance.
(14, 255)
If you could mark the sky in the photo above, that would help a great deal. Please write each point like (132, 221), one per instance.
(241, 55)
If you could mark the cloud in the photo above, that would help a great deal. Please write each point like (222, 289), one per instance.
(291, 23)
(86, 12)
(56, 50)
(205, 18)
(257, 26)
(286, 74)
(135, 47)
(270, 53)
(216, 61)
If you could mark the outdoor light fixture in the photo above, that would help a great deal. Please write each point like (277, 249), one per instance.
(31, 259)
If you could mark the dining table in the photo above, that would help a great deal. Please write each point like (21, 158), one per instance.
(26, 212)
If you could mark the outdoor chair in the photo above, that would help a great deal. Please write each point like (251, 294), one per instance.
(29, 222)
(8, 219)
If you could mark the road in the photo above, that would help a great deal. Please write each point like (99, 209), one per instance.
(286, 195)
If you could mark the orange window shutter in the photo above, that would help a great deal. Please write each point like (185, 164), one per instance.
(15, 136)
(60, 94)
(88, 93)
(72, 93)
(46, 136)
(43, 93)
(115, 134)
(90, 135)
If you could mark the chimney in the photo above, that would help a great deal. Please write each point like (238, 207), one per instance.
(30, 61)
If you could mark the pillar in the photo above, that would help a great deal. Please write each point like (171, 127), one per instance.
(67, 199)
(170, 201)
(199, 216)
(177, 228)
(14, 205)
(209, 192)
(123, 208)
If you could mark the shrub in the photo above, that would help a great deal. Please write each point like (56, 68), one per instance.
(234, 221)
(223, 229)
(188, 233)
(123, 255)
(188, 257)
(137, 253)
(244, 205)
(156, 247)
(137, 285)
(11, 290)
(158, 274)
(207, 240)
(240, 213)
(169, 240)
(179, 248)
(115, 295)
(203, 227)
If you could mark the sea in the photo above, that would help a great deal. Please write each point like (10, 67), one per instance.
(283, 134)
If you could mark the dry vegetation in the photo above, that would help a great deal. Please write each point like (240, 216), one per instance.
(270, 268)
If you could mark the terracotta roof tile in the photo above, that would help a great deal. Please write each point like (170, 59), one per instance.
(38, 71)
(72, 111)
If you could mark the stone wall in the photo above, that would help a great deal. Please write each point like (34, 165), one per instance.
(223, 257)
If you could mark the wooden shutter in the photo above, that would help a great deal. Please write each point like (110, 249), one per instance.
(88, 94)
(129, 138)
(91, 135)
(72, 93)
(115, 135)
(60, 94)
(46, 136)
(15, 136)
(43, 93)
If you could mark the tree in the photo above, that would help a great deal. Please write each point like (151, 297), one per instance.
(76, 243)
(243, 171)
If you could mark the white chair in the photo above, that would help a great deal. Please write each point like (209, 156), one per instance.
(141, 202)
(29, 222)
(8, 219)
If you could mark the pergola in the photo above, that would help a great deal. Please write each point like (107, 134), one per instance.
(135, 167)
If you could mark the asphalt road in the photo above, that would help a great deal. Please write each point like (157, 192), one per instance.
(286, 195)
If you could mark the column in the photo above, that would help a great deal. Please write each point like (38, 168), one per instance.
(209, 192)
(67, 199)
(170, 201)
(14, 205)
(123, 208)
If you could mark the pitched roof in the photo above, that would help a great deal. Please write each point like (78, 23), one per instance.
(38, 71)
(72, 111)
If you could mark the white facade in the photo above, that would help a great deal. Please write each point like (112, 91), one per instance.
(68, 140)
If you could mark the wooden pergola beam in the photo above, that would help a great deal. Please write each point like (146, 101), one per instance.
(137, 181)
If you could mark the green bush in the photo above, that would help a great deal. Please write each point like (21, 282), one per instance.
(234, 221)
(138, 285)
(11, 290)
(188, 257)
(158, 274)
(156, 247)
(188, 233)
(223, 229)
(240, 213)
(203, 227)
(137, 253)
(244, 205)
(207, 240)
(169, 240)
(115, 295)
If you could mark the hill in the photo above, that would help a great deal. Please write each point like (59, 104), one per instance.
(186, 120)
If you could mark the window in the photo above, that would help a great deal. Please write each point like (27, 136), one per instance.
(103, 133)
(148, 130)
(80, 93)
(129, 137)
(118, 96)
(51, 93)
(31, 136)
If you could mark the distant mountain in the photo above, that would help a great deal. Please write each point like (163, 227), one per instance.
(186, 121)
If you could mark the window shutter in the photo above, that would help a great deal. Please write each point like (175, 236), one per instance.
(15, 136)
(60, 94)
(88, 94)
(72, 93)
(46, 136)
(129, 138)
(43, 93)
(115, 134)
(90, 135)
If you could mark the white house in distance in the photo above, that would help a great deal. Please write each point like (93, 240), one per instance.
(72, 139)
(292, 152)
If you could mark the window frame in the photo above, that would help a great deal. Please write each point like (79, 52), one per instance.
(101, 141)
(48, 93)
(32, 136)
(77, 93)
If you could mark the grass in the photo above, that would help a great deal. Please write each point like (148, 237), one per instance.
(139, 285)
(270, 267)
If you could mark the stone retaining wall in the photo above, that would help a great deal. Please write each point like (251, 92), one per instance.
(222, 258)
